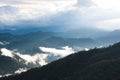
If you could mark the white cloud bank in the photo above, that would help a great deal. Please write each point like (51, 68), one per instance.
(6, 52)
(41, 12)
(6, 75)
(21, 70)
(90, 13)
(14, 12)
(58, 52)
(38, 59)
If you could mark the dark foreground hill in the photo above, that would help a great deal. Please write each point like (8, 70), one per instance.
(96, 64)
(9, 65)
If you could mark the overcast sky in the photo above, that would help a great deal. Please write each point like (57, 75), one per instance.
(102, 14)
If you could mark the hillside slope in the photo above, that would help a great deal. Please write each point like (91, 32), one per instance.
(9, 65)
(96, 64)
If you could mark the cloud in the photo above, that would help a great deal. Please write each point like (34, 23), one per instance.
(59, 13)
(86, 49)
(23, 12)
(58, 52)
(7, 53)
(7, 10)
(30, 9)
(6, 75)
(107, 4)
(1, 43)
(37, 59)
(20, 70)
(85, 3)
(8, 16)
(34, 12)
(109, 24)
(8, 2)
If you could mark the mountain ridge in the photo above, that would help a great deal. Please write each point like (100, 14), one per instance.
(29, 43)
(94, 64)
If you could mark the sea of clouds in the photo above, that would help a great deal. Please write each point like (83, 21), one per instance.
(39, 59)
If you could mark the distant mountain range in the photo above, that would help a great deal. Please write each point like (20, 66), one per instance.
(84, 33)
(44, 47)
(101, 35)
(110, 37)
(95, 64)
(29, 43)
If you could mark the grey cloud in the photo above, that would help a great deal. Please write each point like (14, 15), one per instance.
(10, 1)
(65, 20)
(85, 3)
(8, 10)
(7, 16)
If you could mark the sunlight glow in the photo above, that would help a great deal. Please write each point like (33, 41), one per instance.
(107, 4)
(109, 24)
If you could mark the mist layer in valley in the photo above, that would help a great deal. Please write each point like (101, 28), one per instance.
(36, 49)
(31, 61)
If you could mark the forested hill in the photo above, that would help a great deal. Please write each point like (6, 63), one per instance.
(96, 64)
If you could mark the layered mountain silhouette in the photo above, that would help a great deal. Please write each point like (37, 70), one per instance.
(95, 64)
(29, 43)
(110, 37)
